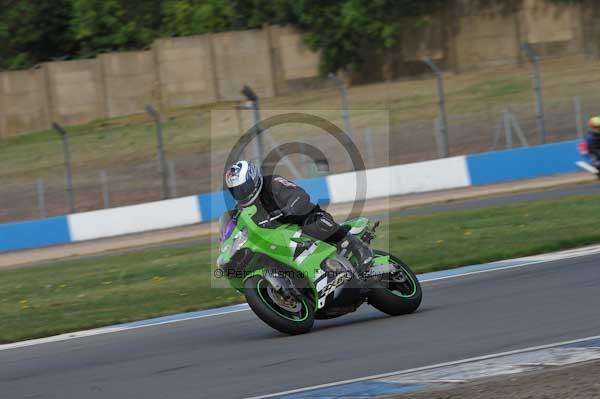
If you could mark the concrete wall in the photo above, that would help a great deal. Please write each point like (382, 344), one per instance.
(177, 72)
(487, 33)
(243, 58)
(131, 82)
(22, 102)
(591, 28)
(485, 36)
(423, 39)
(471, 34)
(187, 75)
(552, 28)
(295, 67)
(76, 92)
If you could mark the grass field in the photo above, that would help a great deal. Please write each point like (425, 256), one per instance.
(124, 140)
(81, 294)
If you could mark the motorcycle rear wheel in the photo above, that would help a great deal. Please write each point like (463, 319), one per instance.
(397, 296)
(287, 317)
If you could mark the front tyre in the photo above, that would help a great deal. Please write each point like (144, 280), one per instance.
(289, 315)
(400, 292)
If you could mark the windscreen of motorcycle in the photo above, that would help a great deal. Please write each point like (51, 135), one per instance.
(226, 225)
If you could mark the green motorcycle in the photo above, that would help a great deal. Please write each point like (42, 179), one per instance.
(290, 279)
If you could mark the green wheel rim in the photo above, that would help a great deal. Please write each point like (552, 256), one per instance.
(408, 275)
(412, 283)
(296, 320)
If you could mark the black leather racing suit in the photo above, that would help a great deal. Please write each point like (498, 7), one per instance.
(280, 194)
(593, 141)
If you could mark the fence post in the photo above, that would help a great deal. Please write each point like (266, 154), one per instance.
(41, 197)
(67, 158)
(172, 178)
(254, 106)
(537, 87)
(161, 150)
(497, 134)
(440, 142)
(517, 127)
(507, 129)
(578, 117)
(341, 86)
(104, 185)
(443, 117)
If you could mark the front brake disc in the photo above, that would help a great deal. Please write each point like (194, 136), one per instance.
(290, 304)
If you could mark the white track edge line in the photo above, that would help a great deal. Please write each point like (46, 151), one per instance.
(424, 368)
(105, 330)
(492, 270)
(535, 259)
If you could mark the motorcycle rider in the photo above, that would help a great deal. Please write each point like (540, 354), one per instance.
(282, 199)
(593, 141)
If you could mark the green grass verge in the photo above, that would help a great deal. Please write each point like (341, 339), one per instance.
(104, 290)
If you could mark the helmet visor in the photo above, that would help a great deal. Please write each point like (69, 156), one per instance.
(245, 191)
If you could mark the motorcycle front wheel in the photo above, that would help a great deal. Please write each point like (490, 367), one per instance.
(288, 315)
(400, 292)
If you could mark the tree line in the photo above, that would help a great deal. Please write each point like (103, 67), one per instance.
(34, 31)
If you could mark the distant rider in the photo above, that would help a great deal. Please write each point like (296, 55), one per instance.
(593, 141)
(275, 196)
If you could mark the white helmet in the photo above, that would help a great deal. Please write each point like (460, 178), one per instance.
(244, 181)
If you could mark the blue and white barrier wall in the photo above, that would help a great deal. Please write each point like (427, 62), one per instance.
(134, 218)
(418, 177)
(440, 174)
(523, 163)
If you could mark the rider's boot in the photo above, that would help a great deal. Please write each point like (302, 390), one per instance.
(360, 250)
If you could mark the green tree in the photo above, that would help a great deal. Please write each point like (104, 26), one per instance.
(343, 29)
(188, 17)
(32, 31)
(345, 32)
(103, 25)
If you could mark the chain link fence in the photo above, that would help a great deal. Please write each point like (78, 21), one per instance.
(117, 162)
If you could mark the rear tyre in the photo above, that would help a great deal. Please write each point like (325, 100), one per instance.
(289, 315)
(400, 292)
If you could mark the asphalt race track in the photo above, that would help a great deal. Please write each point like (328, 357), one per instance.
(236, 355)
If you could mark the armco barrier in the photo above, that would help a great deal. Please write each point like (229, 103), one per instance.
(456, 172)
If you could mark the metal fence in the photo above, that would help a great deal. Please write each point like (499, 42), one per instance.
(152, 157)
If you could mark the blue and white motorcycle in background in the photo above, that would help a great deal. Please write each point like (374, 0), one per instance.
(592, 162)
